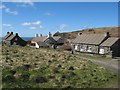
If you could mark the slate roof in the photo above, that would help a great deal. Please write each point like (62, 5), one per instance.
(10, 37)
(38, 39)
(42, 44)
(56, 38)
(7, 36)
(94, 39)
(110, 41)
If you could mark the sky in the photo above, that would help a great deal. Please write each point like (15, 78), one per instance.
(29, 18)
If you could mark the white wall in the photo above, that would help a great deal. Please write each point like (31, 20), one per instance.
(36, 45)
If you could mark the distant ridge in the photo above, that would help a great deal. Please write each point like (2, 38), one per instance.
(114, 32)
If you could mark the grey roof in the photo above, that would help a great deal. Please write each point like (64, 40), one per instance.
(56, 38)
(42, 44)
(10, 37)
(110, 41)
(94, 39)
(38, 39)
(7, 36)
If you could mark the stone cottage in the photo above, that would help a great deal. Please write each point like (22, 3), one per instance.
(13, 39)
(110, 47)
(89, 42)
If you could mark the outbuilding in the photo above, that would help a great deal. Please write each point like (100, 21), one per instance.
(110, 47)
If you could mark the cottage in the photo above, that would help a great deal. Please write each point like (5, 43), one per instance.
(8, 34)
(59, 40)
(110, 47)
(13, 39)
(89, 42)
(43, 41)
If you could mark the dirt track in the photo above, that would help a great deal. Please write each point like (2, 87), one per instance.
(112, 65)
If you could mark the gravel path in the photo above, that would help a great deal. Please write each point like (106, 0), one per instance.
(108, 64)
(112, 65)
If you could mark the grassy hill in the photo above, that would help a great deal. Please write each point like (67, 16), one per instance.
(71, 35)
(27, 67)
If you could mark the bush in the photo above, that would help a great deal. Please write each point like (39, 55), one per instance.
(9, 78)
(24, 76)
(12, 72)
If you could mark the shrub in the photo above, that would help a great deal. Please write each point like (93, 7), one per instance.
(9, 78)
(24, 77)
(12, 72)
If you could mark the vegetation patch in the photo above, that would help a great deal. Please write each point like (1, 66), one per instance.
(47, 68)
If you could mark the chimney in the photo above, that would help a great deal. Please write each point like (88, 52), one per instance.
(11, 32)
(8, 32)
(49, 35)
(16, 34)
(36, 35)
(79, 34)
(107, 34)
(40, 35)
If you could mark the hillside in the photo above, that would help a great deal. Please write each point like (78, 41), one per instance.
(27, 67)
(71, 35)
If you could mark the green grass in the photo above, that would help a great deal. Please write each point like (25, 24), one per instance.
(27, 67)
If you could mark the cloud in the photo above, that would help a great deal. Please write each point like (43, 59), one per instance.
(7, 10)
(33, 25)
(48, 13)
(26, 24)
(2, 6)
(25, 3)
(7, 25)
(37, 22)
(62, 26)
(36, 27)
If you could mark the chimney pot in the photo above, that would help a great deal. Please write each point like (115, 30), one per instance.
(40, 35)
(16, 34)
(36, 35)
(11, 32)
(8, 32)
(79, 33)
(107, 34)
(49, 35)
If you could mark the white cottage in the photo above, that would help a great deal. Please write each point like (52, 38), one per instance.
(43, 41)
